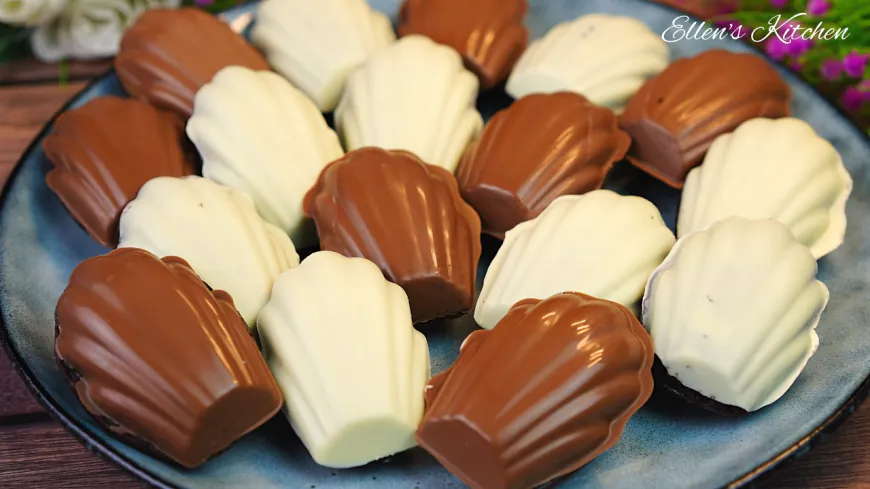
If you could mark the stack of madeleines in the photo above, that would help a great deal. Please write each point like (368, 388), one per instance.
(203, 323)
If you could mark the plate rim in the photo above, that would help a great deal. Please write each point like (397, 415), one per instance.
(749, 480)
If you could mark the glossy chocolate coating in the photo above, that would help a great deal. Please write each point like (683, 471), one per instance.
(540, 148)
(489, 34)
(675, 116)
(167, 55)
(546, 391)
(408, 218)
(158, 357)
(103, 152)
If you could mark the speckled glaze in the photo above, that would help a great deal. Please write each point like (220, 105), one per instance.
(662, 448)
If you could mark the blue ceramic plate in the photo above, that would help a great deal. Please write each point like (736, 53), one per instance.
(663, 446)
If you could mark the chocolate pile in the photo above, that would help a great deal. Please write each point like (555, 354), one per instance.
(163, 360)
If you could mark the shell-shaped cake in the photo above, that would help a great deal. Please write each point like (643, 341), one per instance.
(158, 358)
(217, 230)
(605, 58)
(733, 312)
(541, 147)
(489, 34)
(340, 342)
(259, 134)
(677, 115)
(779, 169)
(599, 243)
(317, 45)
(167, 55)
(103, 152)
(408, 218)
(541, 395)
(414, 95)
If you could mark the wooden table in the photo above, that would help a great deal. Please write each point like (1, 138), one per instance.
(36, 452)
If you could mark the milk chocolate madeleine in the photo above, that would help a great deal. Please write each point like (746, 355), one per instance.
(539, 148)
(159, 358)
(408, 218)
(675, 116)
(167, 55)
(103, 152)
(489, 34)
(541, 395)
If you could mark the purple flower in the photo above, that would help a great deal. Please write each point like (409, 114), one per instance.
(854, 64)
(831, 69)
(799, 46)
(796, 66)
(203, 3)
(818, 8)
(852, 99)
(776, 49)
(778, 3)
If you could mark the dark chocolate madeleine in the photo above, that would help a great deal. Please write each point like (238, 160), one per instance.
(489, 34)
(167, 55)
(155, 355)
(103, 152)
(675, 116)
(408, 218)
(541, 395)
(540, 148)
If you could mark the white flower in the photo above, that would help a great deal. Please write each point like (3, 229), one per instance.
(87, 29)
(29, 12)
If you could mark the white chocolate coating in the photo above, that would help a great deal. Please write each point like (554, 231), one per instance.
(733, 311)
(339, 339)
(779, 169)
(599, 243)
(217, 230)
(605, 58)
(259, 134)
(318, 44)
(416, 96)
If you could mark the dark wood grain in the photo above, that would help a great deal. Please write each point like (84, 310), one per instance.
(32, 71)
(41, 454)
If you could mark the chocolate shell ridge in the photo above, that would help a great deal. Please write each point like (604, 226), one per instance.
(413, 95)
(599, 243)
(259, 134)
(541, 147)
(217, 230)
(677, 115)
(408, 218)
(489, 34)
(159, 358)
(103, 152)
(541, 395)
(167, 55)
(733, 311)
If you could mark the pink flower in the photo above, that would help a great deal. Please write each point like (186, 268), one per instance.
(831, 69)
(796, 66)
(776, 49)
(799, 46)
(818, 8)
(854, 64)
(778, 3)
(203, 3)
(852, 99)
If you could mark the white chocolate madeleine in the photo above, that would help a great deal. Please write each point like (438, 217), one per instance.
(733, 311)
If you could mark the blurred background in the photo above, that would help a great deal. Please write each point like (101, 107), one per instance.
(74, 39)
